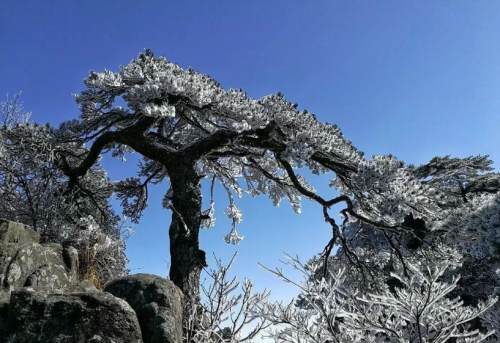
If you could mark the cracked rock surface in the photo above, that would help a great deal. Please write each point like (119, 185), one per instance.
(24, 262)
(70, 318)
(157, 302)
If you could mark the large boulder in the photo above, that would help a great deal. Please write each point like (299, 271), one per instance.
(94, 317)
(26, 263)
(44, 267)
(157, 303)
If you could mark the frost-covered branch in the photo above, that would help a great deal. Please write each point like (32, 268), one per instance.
(332, 311)
(224, 315)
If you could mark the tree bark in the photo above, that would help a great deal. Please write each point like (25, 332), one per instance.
(187, 260)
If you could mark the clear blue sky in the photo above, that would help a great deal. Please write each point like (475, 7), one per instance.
(412, 78)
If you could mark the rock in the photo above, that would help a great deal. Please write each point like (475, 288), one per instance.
(157, 302)
(4, 313)
(83, 286)
(26, 263)
(12, 232)
(95, 317)
(75, 243)
(42, 299)
(70, 258)
(44, 267)
(7, 252)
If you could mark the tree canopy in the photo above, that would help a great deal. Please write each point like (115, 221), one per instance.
(187, 127)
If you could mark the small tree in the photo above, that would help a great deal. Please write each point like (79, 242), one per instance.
(224, 314)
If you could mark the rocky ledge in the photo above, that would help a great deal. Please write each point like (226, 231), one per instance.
(42, 300)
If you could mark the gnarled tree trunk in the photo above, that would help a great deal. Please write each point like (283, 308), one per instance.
(187, 260)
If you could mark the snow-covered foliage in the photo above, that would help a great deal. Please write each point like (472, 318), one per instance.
(12, 111)
(239, 141)
(461, 229)
(419, 310)
(386, 192)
